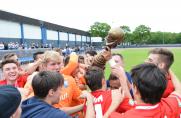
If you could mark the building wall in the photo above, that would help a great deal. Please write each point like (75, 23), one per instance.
(32, 32)
(52, 35)
(63, 36)
(78, 37)
(14, 31)
(9, 29)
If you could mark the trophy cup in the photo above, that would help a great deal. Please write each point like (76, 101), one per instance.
(115, 36)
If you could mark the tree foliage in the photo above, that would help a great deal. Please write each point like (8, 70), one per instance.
(99, 29)
(141, 35)
(127, 31)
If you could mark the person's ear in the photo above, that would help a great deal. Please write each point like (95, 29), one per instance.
(135, 90)
(161, 65)
(51, 92)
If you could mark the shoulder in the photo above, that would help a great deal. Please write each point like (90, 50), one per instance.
(172, 102)
(2, 82)
(60, 114)
(122, 115)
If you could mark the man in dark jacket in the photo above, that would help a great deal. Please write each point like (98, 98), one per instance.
(47, 88)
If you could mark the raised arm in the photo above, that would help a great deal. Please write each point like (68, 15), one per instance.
(90, 112)
(119, 72)
(176, 84)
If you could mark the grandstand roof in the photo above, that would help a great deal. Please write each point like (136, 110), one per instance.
(26, 20)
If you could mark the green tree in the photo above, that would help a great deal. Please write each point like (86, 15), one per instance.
(178, 38)
(127, 31)
(142, 34)
(156, 38)
(99, 29)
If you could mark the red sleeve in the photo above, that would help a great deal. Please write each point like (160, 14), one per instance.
(126, 105)
(21, 81)
(170, 88)
(177, 97)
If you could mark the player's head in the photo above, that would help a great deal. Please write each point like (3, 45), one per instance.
(10, 70)
(52, 61)
(114, 82)
(10, 56)
(48, 84)
(118, 58)
(81, 59)
(161, 57)
(94, 77)
(37, 55)
(149, 82)
(91, 53)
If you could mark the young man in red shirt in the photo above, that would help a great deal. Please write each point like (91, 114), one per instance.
(102, 97)
(11, 74)
(163, 58)
(149, 85)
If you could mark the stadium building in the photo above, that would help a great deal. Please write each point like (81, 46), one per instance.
(27, 31)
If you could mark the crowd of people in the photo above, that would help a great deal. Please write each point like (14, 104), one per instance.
(17, 45)
(73, 85)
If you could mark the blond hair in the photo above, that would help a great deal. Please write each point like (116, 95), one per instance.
(51, 55)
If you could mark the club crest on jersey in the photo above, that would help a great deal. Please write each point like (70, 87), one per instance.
(131, 102)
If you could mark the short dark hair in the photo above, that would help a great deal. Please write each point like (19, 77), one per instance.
(80, 58)
(66, 60)
(93, 77)
(166, 56)
(150, 82)
(113, 77)
(37, 53)
(118, 54)
(91, 52)
(8, 56)
(46, 80)
(4, 62)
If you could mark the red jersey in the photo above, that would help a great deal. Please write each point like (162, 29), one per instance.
(102, 101)
(20, 82)
(170, 88)
(169, 107)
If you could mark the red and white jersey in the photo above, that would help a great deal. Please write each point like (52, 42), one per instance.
(169, 107)
(103, 99)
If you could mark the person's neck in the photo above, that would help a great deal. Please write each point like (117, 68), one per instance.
(11, 82)
(101, 89)
(48, 101)
(139, 101)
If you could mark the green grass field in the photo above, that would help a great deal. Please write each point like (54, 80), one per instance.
(136, 56)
